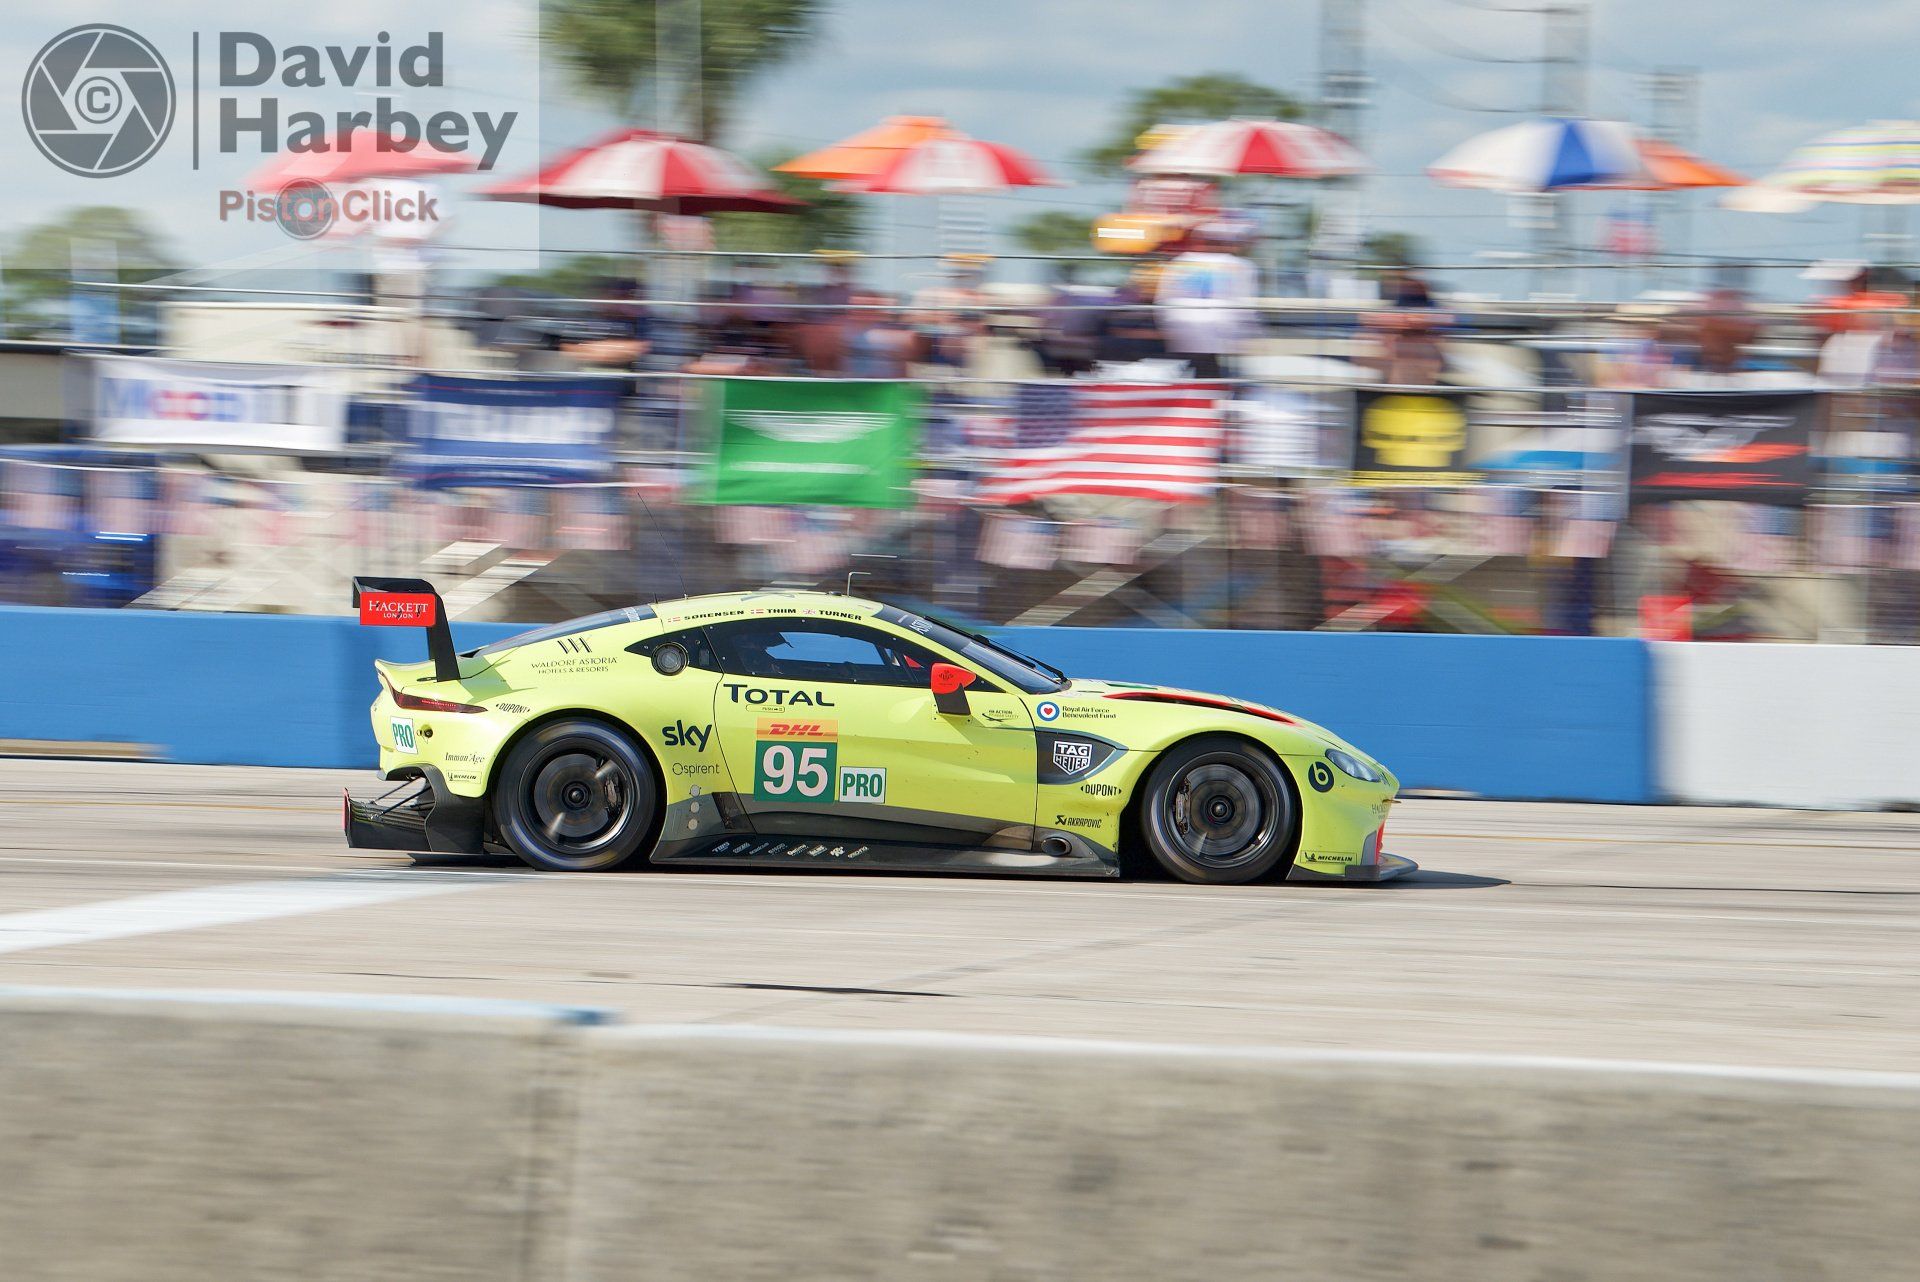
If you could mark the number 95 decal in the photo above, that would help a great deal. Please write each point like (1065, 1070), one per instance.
(793, 771)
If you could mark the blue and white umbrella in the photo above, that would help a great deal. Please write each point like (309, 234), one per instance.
(1556, 153)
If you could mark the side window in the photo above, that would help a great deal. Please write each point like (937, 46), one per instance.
(818, 650)
(692, 640)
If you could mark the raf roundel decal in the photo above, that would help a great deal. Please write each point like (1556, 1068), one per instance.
(1048, 710)
(1320, 775)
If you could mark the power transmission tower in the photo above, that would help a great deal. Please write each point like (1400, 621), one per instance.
(1563, 63)
(1673, 116)
(1563, 92)
(1344, 88)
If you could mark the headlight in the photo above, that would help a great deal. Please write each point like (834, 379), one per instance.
(1352, 765)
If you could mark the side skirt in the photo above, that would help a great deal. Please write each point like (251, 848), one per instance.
(841, 854)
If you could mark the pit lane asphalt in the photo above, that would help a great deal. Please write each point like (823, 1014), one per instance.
(1740, 936)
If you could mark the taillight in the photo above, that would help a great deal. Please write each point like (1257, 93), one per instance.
(419, 703)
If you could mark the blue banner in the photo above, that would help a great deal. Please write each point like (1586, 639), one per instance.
(483, 431)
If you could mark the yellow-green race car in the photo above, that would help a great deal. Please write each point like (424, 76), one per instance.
(812, 730)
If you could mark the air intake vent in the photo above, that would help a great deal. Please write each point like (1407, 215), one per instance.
(1202, 701)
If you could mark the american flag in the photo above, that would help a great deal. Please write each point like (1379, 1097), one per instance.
(1583, 524)
(1630, 233)
(1906, 537)
(1768, 538)
(1018, 543)
(1132, 440)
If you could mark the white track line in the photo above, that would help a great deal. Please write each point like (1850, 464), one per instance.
(838, 1038)
(212, 906)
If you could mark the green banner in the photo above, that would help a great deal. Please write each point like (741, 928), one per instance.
(837, 444)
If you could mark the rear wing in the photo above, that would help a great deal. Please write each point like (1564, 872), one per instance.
(409, 603)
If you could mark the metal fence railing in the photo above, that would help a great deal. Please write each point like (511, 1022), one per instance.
(1284, 540)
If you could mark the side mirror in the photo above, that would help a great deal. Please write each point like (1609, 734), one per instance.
(950, 689)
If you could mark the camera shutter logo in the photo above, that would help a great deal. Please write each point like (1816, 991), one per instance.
(98, 100)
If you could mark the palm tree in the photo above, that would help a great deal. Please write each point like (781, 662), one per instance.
(828, 219)
(1185, 99)
(611, 46)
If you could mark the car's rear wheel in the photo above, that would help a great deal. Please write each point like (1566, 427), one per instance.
(575, 796)
(1219, 810)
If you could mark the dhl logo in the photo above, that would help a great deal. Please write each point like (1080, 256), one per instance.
(789, 728)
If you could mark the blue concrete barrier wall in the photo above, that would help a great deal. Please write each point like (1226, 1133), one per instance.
(1520, 717)
(216, 689)
(1538, 718)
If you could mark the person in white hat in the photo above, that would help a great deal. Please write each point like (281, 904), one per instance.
(1207, 300)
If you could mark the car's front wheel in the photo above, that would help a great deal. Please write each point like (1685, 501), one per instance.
(575, 796)
(1219, 810)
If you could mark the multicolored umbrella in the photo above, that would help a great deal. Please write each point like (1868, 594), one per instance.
(1277, 147)
(863, 155)
(640, 169)
(1874, 164)
(952, 165)
(1555, 153)
(1670, 168)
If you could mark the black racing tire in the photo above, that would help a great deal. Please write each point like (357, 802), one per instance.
(1218, 810)
(576, 796)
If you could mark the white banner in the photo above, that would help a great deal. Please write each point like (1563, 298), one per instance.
(192, 405)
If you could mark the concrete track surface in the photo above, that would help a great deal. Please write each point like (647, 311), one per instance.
(1753, 937)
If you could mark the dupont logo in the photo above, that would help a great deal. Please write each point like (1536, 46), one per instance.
(98, 100)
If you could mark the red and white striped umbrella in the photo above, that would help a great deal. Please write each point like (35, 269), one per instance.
(639, 169)
(953, 165)
(362, 154)
(1277, 147)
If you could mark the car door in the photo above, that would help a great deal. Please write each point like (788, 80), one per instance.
(835, 725)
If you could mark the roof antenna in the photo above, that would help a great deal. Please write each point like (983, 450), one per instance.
(866, 574)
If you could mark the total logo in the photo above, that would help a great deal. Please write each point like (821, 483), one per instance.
(1047, 710)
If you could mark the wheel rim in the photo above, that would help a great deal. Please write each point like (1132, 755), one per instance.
(1221, 814)
(579, 801)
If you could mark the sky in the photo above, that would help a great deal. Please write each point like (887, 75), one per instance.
(1049, 76)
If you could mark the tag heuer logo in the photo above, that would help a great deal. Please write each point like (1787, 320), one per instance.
(802, 427)
(1072, 756)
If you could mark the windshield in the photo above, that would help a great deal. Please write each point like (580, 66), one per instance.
(1026, 674)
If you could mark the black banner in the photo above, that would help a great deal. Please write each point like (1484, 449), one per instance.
(1752, 446)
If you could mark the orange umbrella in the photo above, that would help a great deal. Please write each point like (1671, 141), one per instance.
(868, 152)
(1668, 168)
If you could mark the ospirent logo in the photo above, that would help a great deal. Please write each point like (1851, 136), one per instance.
(98, 100)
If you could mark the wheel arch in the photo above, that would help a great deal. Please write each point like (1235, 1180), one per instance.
(1134, 856)
(531, 724)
